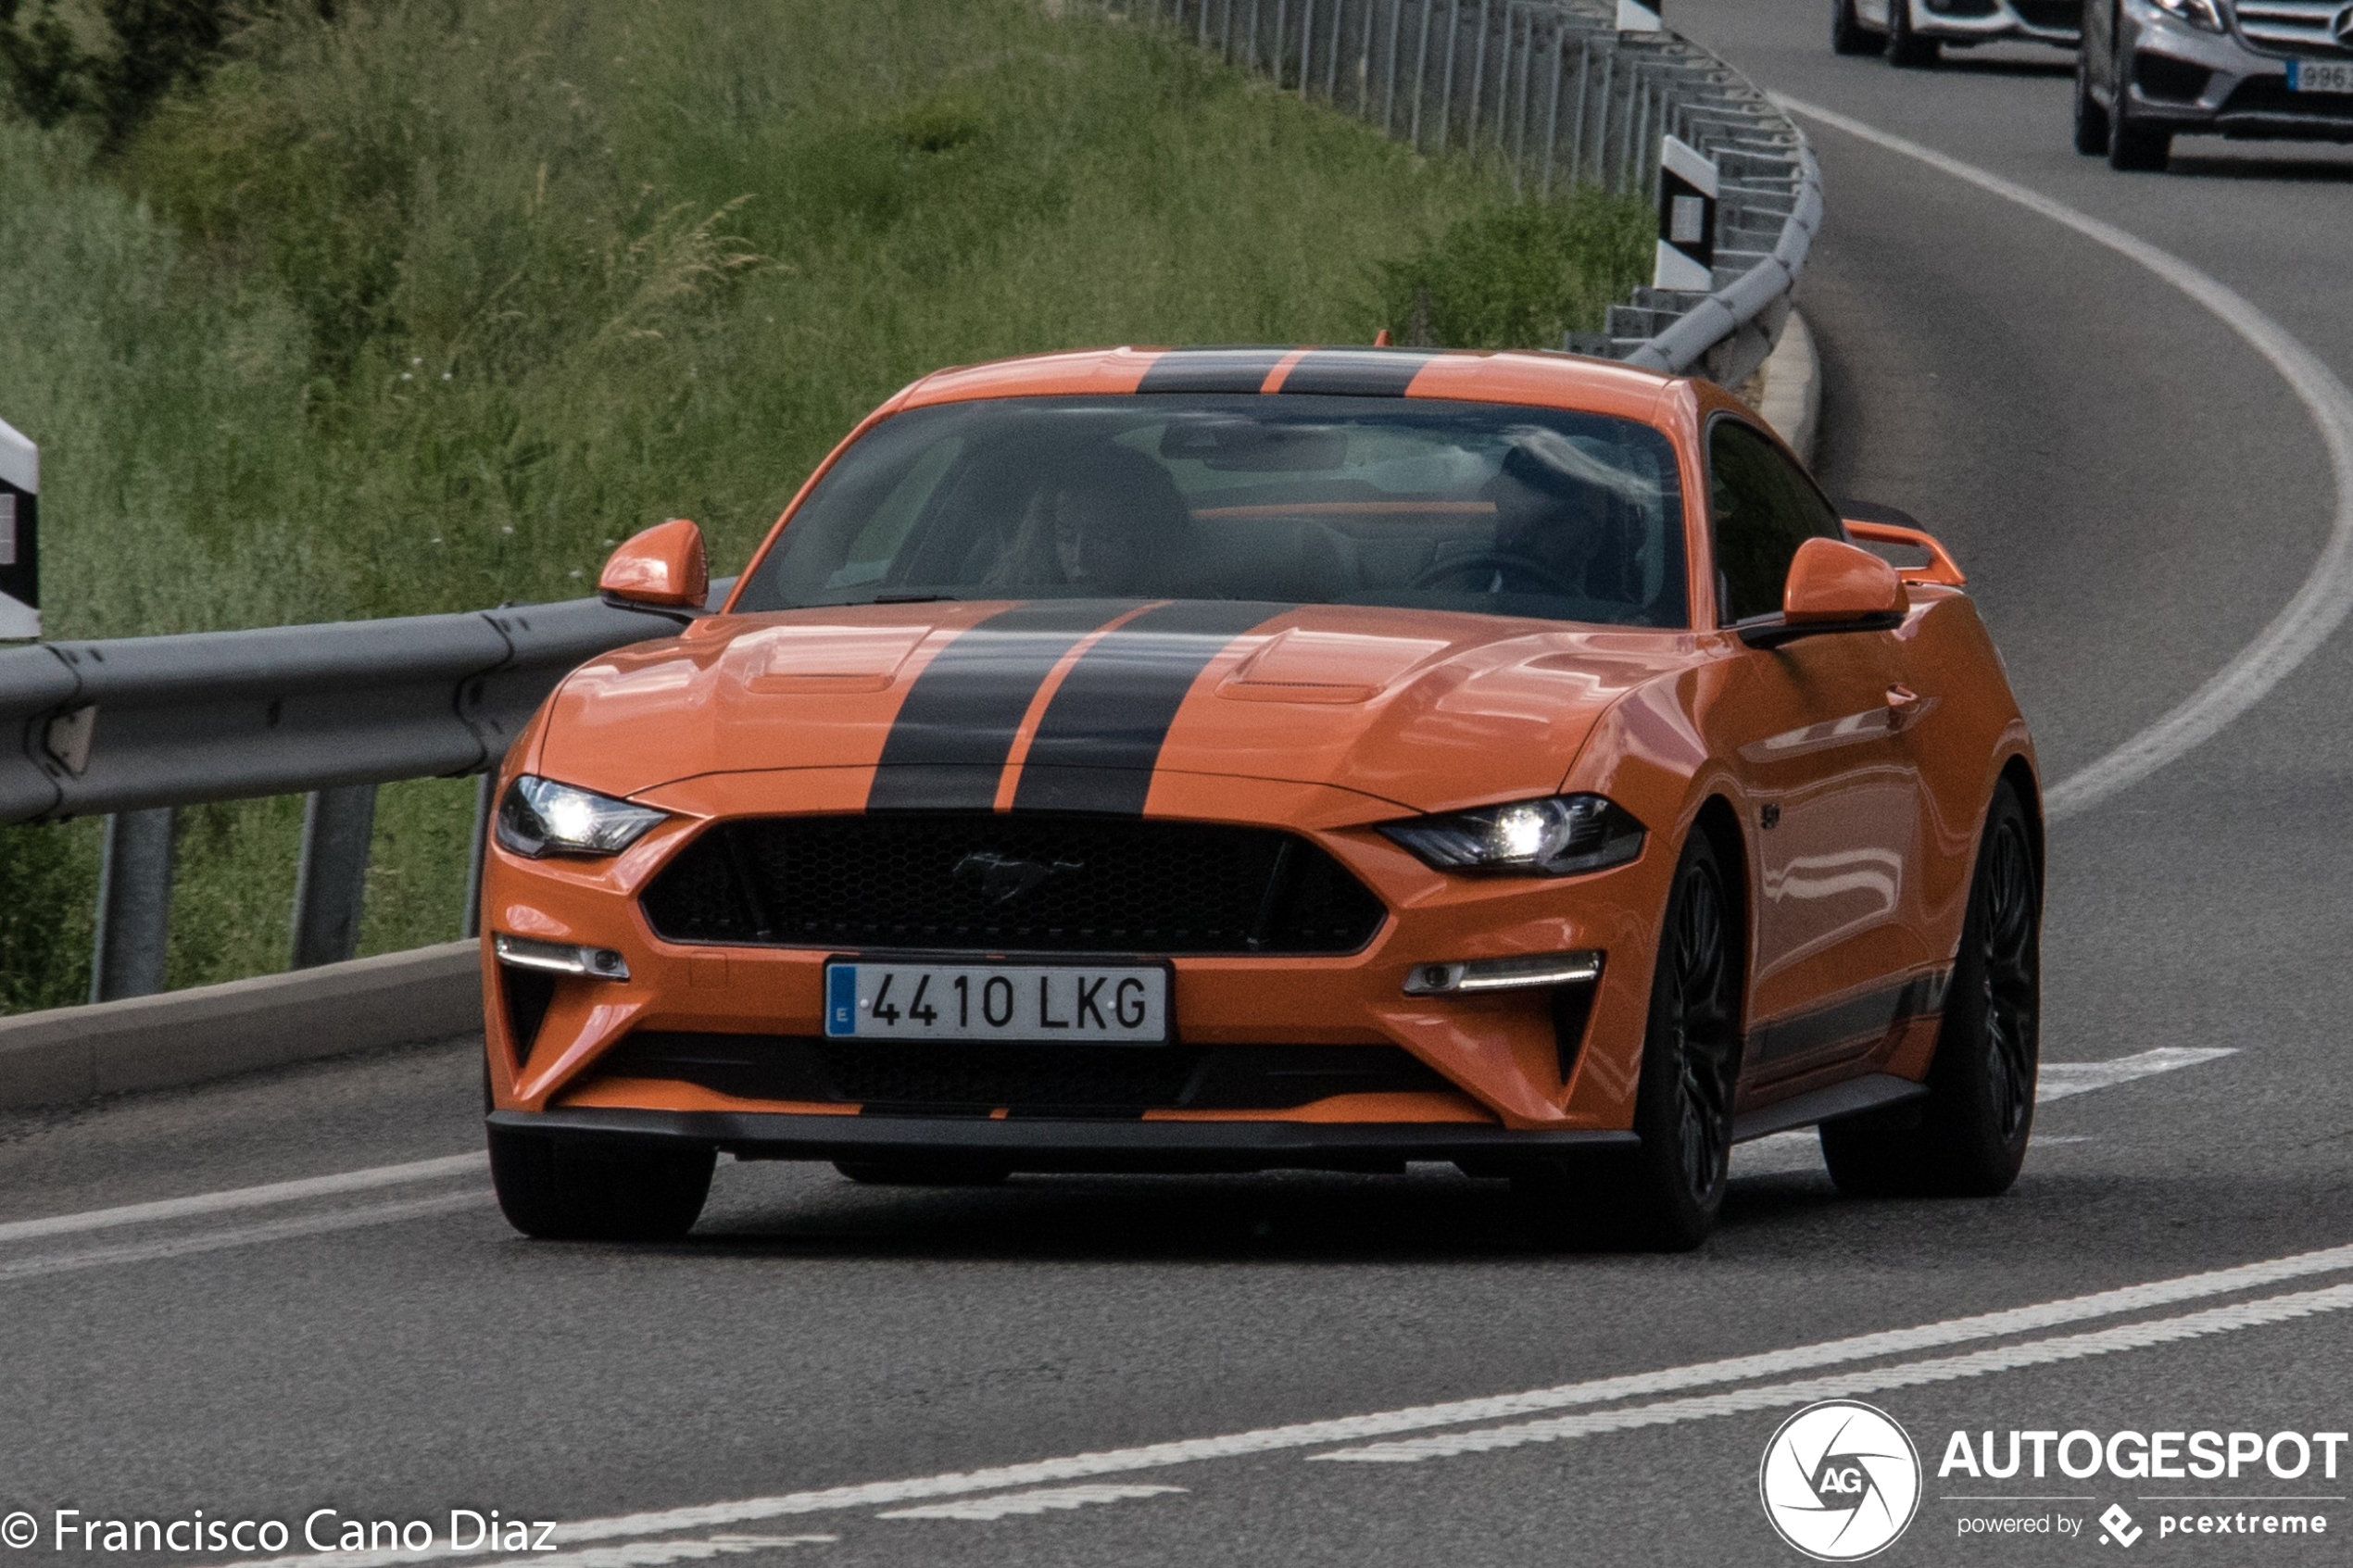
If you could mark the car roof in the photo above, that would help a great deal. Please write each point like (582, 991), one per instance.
(1541, 378)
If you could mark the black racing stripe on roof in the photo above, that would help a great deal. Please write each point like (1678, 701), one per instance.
(947, 748)
(1100, 738)
(1358, 373)
(1210, 370)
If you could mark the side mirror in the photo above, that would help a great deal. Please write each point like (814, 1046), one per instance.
(1887, 525)
(663, 569)
(1832, 587)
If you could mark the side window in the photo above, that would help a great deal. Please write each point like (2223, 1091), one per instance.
(1764, 508)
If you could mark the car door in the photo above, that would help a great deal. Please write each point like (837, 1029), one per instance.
(1834, 797)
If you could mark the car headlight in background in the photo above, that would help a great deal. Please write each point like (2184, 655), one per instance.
(542, 817)
(2204, 14)
(1558, 836)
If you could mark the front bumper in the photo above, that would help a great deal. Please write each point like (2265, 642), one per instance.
(1992, 21)
(1070, 1146)
(1516, 1062)
(2187, 80)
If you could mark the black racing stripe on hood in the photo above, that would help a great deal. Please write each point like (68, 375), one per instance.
(1100, 738)
(948, 746)
(1210, 370)
(1358, 373)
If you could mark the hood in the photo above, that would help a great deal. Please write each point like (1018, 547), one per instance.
(1077, 705)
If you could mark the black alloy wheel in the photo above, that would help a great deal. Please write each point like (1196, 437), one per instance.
(1905, 47)
(1968, 1138)
(1664, 1196)
(562, 1189)
(2132, 148)
(1848, 35)
(2091, 118)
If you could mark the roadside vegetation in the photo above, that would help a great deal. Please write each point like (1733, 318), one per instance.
(323, 311)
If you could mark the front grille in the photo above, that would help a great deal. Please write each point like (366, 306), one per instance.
(985, 883)
(2292, 27)
(974, 1078)
(2059, 16)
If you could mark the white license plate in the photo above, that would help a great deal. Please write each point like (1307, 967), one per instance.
(2319, 76)
(1114, 1004)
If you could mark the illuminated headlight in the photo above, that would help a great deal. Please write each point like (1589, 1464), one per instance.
(1559, 837)
(2204, 14)
(542, 817)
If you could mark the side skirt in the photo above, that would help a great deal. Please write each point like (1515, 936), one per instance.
(1875, 1092)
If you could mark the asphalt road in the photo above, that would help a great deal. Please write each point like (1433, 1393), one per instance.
(2135, 494)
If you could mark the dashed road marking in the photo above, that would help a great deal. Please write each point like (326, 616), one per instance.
(1045, 1500)
(1358, 1429)
(654, 1554)
(243, 1235)
(247, 1197)
(1876, 1380)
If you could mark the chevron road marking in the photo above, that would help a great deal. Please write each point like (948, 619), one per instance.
(1801, 1150)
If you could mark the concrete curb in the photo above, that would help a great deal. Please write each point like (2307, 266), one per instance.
(1791, 402)
(70, 1054)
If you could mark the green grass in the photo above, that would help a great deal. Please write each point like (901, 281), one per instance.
(422, 309)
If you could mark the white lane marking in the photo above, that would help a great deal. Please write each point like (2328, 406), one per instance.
(654, 1554)
(1040, 1501)
(246, 1197)
(1358, 1428)
(1801, 1150)
(1877, 1380)
(2060, 1079)
(243, 1235)
(2316, 609)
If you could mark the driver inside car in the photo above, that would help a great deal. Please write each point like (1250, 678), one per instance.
(1553, 525)
(1098, 530)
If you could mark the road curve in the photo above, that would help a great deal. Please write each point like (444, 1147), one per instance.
(2136, 494)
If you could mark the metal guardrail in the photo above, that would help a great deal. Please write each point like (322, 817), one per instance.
(1558, 95)
(132, 728)
(135, 728)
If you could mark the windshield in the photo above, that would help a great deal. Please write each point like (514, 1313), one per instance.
(1479, 506)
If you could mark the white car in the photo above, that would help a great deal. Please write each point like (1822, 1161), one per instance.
(1910, 32)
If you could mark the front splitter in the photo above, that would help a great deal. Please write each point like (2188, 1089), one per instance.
(1070, 1143)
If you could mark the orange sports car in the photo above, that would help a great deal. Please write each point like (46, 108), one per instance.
(1225, 759)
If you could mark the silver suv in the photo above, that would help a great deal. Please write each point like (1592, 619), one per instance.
(2153, 69)
(1911, 32)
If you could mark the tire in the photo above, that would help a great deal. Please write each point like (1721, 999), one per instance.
(1968, 1137)
(1848, 35)
(2133, 148)
(1906, 48)
(560, 1189)
(2091, 120)
(923, 1173)
(1664, 1196)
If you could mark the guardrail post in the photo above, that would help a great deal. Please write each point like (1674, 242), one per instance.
(486, 801)
(134, 905)
(337, 825)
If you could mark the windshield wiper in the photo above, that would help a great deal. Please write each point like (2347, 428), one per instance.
(911, 598)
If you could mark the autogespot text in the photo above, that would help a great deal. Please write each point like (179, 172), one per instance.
(2142, 1456)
